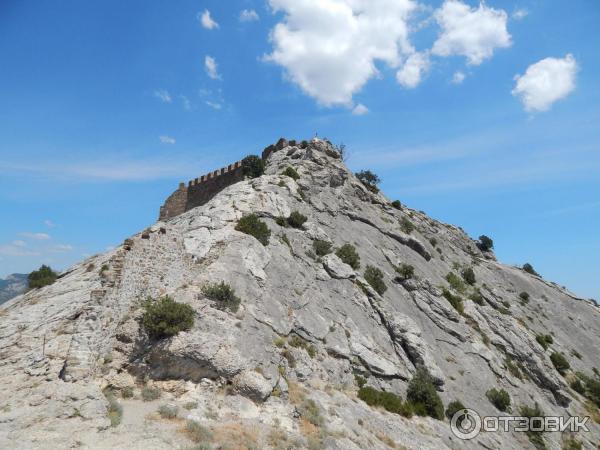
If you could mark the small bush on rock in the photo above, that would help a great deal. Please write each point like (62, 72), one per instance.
(291, 172)
(468, 275)
(44, 276)
(255, 227)
(149, 394)
(535, 437)
(321, 248)
(529, 269)
(369, 180)
(115, 410)
(223, 294)
(524, 296)
(406, 271)
(453, 408)
(311, 412)
(197, 432)
(253, 166)
(165, 317)
(560, 362)
(423, 396)
(296, 219)
(374, 277)
(485, 244)
(348, 254)
(388, 400)
(455, 300)
(456, 283)
(396, 204)
(168, 411)
(406, 225)
(545, 340)
(499, 398)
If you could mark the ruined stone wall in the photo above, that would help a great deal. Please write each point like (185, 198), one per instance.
(200, 190)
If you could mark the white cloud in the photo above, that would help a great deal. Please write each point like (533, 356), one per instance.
(471, 32)
(15, 250)
(187, 104)
(214, 105)
(19, 243)
(163, 96)
(360, 110)
(546, 82)
(211, 68)
(207, 21)
(167, 140)
(35, 236)
(520, 14)
(61, 248)
(329, 47)
(249, 15)
(458, 77)
(409, 76)
(49, 223)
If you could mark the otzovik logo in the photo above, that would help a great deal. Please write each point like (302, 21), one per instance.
(467, 424)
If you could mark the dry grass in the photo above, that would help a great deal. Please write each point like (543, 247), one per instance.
(296, 393)
(389, 441)
(236, 436)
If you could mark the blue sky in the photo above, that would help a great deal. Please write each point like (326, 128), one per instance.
(484, 116)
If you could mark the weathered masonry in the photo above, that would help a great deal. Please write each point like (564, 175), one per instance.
(200, 190)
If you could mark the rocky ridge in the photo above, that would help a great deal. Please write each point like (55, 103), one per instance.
(243, 375)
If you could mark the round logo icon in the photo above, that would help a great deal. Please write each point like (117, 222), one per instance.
(465, 424)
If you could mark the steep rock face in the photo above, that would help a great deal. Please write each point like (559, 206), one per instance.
(306, 325)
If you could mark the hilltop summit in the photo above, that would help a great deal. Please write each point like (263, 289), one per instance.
(346, 296)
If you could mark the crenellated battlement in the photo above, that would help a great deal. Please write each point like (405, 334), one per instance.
(199, 191)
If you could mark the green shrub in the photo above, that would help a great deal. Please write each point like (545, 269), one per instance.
(560, 362)
(165, 317)
(396, 204)
(298, 342)
(374, 277)
(433, 241)
(255, 227)
(485, 243)
(529, 269)
(477, 297)
(576, 354)
(468, 275)
(499, 398)
(115, 410)
(348, 254)
(578, 386)
(149, 394)
(453, 408)
(168, 411)
(535, 437)
(524, 296)
(513, 368)
(456, 283)
(592, 387)
(291, 172)
(223, 294)
(127, 392)
(281, 221)
(311, 412)
(44, 276)
(296, 219)
(197, 433)
(389, 401)
(455, 300)
(321, 248)
(544, 340)
(423, 397)
(406, 225)
(253, 166)
(360, 380)
(369, 180)
(406, 271)
(570, 443)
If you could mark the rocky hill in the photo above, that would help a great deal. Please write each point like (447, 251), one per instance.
(78, 368)
(12, 285)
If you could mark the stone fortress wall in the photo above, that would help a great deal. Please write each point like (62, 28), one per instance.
(199, 191)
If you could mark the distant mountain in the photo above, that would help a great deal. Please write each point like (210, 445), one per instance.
(12, 286)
